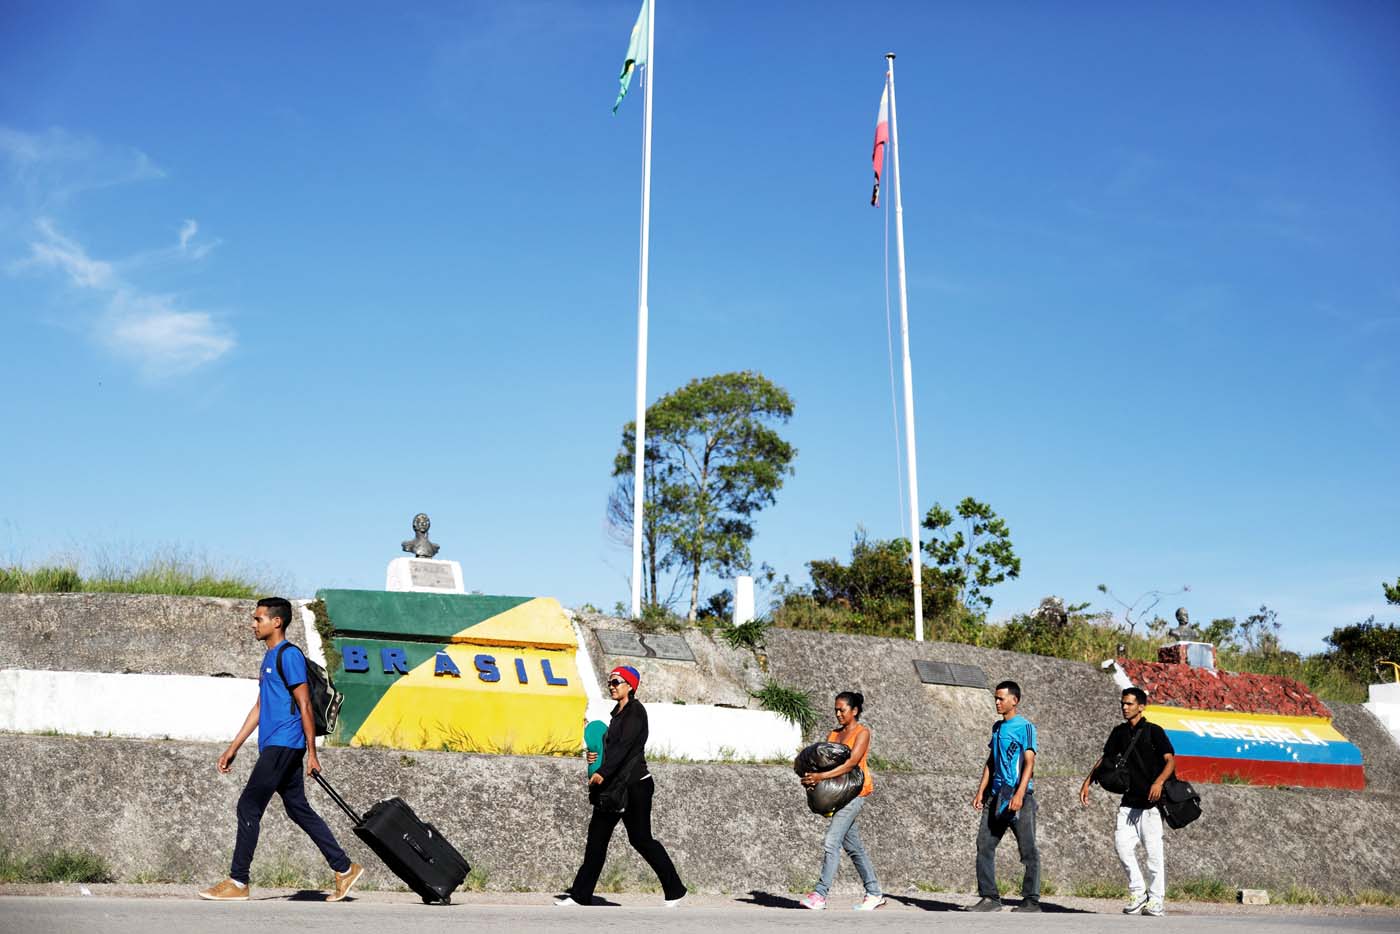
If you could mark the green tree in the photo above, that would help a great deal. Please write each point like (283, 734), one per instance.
(973, 558)
(658, 480)
(877, 580)
(1356, 648)
(1392, 592)
(713, 461)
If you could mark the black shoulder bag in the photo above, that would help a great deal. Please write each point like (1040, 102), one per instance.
(1180, 804)
(1113, 776)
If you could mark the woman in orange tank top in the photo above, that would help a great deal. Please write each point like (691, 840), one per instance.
(842, 834)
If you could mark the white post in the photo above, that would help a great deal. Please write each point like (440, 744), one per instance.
(639, 447)
(914, 544)
(743, 599)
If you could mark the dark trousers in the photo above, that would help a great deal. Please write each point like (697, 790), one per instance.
(989, 834)
(637, 820)
(279, 769)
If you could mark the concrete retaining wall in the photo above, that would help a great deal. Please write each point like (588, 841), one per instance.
(161, 809)
(132, 633)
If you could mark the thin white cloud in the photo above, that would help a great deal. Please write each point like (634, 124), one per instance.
(161, 339)
(52, 166)
(54, 250)
(187, 231)
(148, 329)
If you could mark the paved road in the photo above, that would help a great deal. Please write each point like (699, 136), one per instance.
(377, 912)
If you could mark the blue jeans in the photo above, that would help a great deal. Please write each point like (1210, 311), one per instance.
(842, 834)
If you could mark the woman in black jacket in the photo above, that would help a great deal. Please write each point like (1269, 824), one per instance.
(621, 789)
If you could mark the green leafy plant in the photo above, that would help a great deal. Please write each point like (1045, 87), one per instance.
(792, 704)
(746, 635)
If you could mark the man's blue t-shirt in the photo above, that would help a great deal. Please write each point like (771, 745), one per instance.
(1010, 740)
(279, 721)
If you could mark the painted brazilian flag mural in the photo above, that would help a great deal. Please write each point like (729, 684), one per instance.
(460, 672)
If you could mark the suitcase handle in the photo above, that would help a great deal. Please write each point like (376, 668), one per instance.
(335, 796)
(417, 848)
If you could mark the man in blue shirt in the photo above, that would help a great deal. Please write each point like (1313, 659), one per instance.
(286, 741)
(1006, 798)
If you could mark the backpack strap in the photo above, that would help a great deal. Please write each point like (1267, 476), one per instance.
(282, 674)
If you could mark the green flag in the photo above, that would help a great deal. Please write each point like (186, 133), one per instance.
(637, 51)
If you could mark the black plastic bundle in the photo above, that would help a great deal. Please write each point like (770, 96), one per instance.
(830, 795)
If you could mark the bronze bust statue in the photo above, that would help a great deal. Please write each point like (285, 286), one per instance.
(419, 546)
(1184, 632)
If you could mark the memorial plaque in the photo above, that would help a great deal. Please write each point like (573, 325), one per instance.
(436, 574)
(951, 673)
(644, 645)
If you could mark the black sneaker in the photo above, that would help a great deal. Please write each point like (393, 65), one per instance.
(1028, 904)
(987, 904)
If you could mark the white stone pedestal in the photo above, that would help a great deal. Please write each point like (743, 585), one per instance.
(743, 599)
(424, 575)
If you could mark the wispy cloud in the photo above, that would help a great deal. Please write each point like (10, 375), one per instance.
(52, 166)
(154, 331)
(149, 329)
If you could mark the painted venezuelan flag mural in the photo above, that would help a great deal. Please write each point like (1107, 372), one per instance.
(460, 672)
(1264, 749)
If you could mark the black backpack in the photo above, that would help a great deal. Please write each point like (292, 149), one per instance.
(325, 699)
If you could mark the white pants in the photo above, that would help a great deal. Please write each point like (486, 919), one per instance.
(1141, 825)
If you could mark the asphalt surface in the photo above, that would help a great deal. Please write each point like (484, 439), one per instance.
(162, 909)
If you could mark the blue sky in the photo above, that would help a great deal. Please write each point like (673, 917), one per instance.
(274, 279)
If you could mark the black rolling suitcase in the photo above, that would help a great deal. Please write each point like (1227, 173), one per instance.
(411, 847)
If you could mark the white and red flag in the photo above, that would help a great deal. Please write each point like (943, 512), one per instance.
(882, 136)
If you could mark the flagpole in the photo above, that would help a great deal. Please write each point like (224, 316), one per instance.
(638, 456)
(909, 446)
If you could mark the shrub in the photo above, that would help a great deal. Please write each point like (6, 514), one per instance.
(792, 704)
(746, 635)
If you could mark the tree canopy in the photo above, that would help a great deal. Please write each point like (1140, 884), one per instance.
(974, 558)
(713, 460)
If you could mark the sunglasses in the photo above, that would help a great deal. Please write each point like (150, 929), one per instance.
(614, 683)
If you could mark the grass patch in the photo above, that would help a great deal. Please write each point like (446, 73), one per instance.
(1230, 778)
(283, 875)
(476, 880)
(170, 574)
(1374, 897)
(58, 866)
(1100, 889)
(880, 764)
(792, 704)
(1205, 889)
(615, 881)
(1007, 887)
(1297, 894)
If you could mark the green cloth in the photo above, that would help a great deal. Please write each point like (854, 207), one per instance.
(593, 740)
(638, 50)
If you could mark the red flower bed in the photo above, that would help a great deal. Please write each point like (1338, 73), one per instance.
(1198, 689)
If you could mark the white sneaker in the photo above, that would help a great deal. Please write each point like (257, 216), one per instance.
(672, 902)
(869, 903)
(1155, 908)
(1136, 902)
(564, 901)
